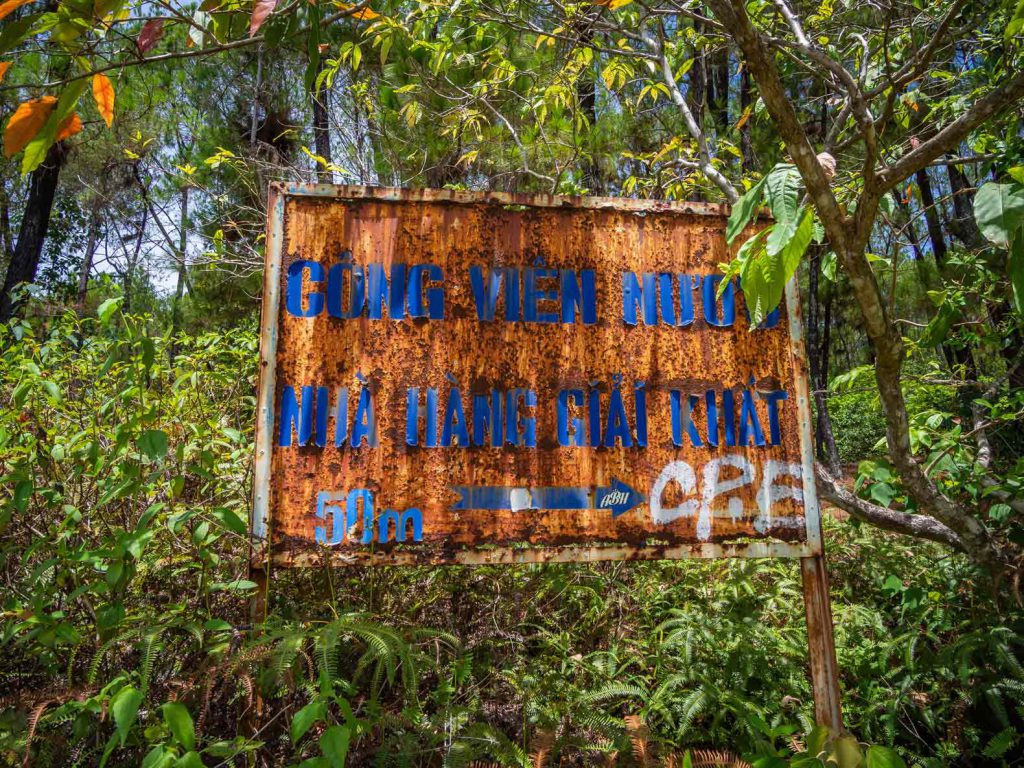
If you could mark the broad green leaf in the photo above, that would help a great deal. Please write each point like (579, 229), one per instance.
(763, 276)
(305, 717)
(1016, 23)
(743, 211)
(828, 265)
(231, 521)
(238, 585)
(883, 757)
(190, 759)
(334, 745)
(158, 757)
(106, 310)
(816, 740)
(999, 210)
(782, 193)
(179, 721)
(153, 443)
(938, 329)
(846, 752)
(125, 708)
(15, 30)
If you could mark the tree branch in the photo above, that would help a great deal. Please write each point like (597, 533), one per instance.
(999, 100)
(703, 152)
(918, 526)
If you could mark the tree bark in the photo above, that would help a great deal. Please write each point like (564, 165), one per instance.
(34, 223)
(746, 140)
(586, 95)
(87, 257)
(321, 126)
(818, 340)
(962, 225)
(918, 526)
(179, 288)
(718, 89)
(931, 217)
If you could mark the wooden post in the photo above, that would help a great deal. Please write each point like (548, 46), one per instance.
(821, 644)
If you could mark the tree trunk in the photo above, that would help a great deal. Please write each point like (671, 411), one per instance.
(34, 223)
(931, 217)
(321, 126)
(746, 141)
(818, 343)
(718, 89)
(962, 225)
(697, 90)
(586, 95)
(179, 288)
(87, 257)
(824, 353)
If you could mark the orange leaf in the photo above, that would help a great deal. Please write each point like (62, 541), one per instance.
(11, 5)
(28, 119)
(363, 14)
(4, 66)
(260, 11)
(743, 118)
(72, 124)
(103, 92)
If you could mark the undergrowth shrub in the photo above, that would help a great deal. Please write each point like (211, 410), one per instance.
(125, 636)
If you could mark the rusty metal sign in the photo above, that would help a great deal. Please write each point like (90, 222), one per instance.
(478, 377)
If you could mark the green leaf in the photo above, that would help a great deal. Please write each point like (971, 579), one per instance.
(334, 745)
(179, 721)
(999, 210)
(828, 266)
(231, 521)
(304, 719)
(1016, 23)
(816, 740)
(846, 752)
(158, 757)
(938, 329)
(763, 276)
(14, 31)
(106, 310)
(782, 190)
(52, 390)
(153, 443)
(238, 585)
(743, 211)
(882, 493)
(1000, 744)
(883, 757)
(190, 759)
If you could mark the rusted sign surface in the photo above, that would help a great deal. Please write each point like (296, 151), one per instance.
(464, 377)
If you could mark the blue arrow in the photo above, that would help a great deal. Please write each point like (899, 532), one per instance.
(618, 497)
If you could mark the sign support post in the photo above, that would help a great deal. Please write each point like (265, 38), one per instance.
(821, 644)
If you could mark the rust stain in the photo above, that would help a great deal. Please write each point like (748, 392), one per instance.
(454, 231)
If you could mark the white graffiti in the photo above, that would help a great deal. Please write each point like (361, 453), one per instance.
(713, 487)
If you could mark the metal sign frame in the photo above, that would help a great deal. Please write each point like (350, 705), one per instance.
(261, 512)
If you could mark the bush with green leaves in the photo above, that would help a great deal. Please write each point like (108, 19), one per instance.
(125, 636)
